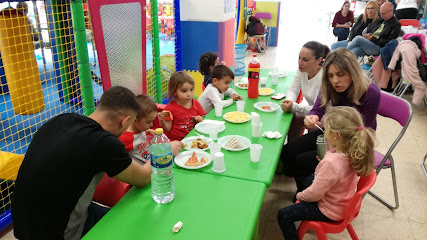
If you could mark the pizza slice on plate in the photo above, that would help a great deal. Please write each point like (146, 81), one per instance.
(193, 161)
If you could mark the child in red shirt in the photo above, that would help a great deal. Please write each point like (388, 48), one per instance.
(135, 138)
(183, 112)
(337, 173)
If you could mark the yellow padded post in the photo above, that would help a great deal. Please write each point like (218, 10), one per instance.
(20, 64)
(198, 80)
(9, 165)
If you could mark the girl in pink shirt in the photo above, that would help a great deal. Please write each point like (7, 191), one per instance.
(183, 112)
(336, 174)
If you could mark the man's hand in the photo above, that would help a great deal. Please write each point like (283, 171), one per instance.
(310, 120)
(236, 97)
(368, 36)
(176, 147)
(287, 105)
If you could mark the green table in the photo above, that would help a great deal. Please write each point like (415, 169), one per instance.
(238, 164)
(210, 207)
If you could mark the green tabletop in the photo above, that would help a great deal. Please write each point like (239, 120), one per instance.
(210, 207)
(238, 164)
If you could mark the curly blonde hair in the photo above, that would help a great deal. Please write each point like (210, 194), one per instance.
(357, 141)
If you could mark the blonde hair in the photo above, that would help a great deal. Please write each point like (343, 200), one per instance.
(365, 15)
(345, 60)
(177, 80)
(358, 142)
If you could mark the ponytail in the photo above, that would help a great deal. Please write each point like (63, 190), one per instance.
(319, 50)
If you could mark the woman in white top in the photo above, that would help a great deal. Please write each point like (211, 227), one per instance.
(308, 79)
(407, 9)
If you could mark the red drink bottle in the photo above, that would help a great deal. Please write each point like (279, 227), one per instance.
(253, 77)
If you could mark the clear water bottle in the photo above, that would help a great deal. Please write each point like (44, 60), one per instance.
(162, 182)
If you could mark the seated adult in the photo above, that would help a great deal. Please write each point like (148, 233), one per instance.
(343, 84)
(65, 161)
(343, 20)
(370, 16)
(308, 78)
(378, 33)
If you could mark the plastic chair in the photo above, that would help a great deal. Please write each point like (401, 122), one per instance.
(267, 16)
(401, 87)
(409, 22)
(321, 228)
(399, 110)
(109, 191)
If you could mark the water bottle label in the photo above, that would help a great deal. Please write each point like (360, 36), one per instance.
(161, 162)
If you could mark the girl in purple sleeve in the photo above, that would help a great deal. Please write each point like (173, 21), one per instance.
(336, 174)
(343, 84)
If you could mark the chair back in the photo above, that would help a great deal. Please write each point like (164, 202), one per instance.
(363, 186)
(409, 22)
(395, 108)
(110, 190)
(263, 15)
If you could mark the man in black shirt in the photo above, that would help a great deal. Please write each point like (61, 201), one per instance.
(65, 161)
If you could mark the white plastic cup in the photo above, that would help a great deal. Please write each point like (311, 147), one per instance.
(218, 109)
(240, 106)
(263, 81)
(218, 163)
(214, 148)
(255, 152)
(213, 132)
(274, 79)
(275, 69)
(256, 129)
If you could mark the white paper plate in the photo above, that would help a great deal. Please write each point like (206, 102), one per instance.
(204, 127)
(183, 157)
(227, 114)
(243, 140)
(265, 94)
(279, 74)
(273, 106)
(244, 80)
(188, 141)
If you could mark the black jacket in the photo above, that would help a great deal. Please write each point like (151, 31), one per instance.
(390, 31)
(358, 27)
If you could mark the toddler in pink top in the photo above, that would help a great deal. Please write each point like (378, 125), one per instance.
(337, 173)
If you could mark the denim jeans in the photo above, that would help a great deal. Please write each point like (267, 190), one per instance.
(339, 44)
(341, 33)
(301, 211)
(361, 46)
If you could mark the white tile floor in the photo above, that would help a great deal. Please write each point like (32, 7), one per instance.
(308, 20)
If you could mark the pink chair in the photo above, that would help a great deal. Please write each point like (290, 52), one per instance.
(399, 110)
(321, 228)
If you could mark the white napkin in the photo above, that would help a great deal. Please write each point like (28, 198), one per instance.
(244, 80)
(271, 135)
(216, 122)
(255, 118)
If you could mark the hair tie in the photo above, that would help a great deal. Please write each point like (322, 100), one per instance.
(360, 128)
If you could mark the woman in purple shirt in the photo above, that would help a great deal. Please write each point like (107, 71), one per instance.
(343, 84)
(343, 20)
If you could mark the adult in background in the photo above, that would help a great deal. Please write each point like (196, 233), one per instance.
(64, 163)
(343, 20)
(362, 22)
(343, 84)
(407, 9)
(378, 34)
(308, 79)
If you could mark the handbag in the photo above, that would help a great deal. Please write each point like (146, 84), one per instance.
(422, 70)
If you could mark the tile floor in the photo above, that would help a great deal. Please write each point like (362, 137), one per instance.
(310, 22)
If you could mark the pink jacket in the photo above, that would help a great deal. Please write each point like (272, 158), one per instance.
(333, 187)
(409, 52)
(423, 40)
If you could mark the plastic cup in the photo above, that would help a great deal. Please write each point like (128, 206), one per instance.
(274, 79)
(213, 132)
(275, 69)
(240, 106)
(218, 109)
(256, 130)
(218, 163)
(263, 81)
(255, 152)
(214, 148)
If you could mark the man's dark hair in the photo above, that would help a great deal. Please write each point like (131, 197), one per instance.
(220, 71)
(118, 100)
